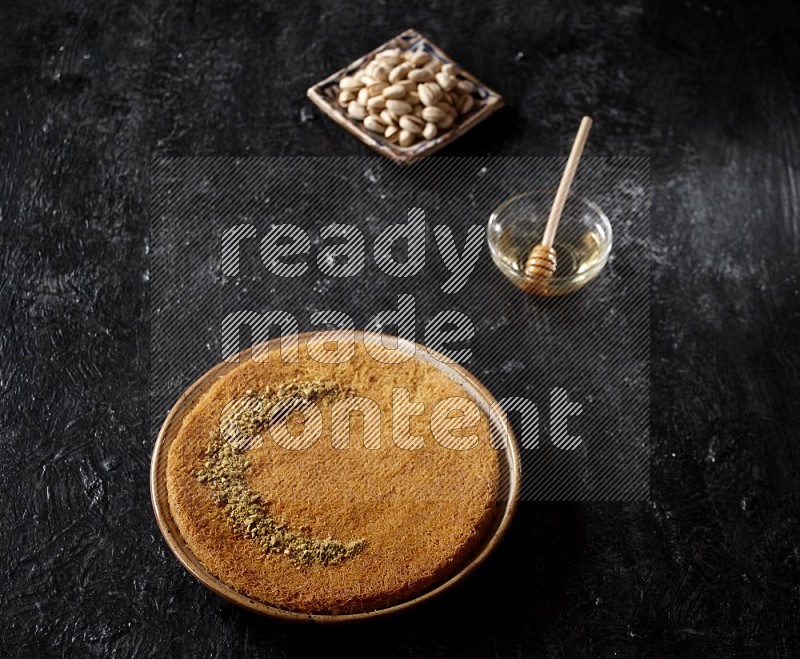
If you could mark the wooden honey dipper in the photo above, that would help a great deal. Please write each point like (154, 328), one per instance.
(541, 262)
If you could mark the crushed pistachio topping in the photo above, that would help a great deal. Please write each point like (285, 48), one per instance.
(251, 422)
(224, 470)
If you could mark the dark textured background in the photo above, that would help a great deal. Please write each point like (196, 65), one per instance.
(90, 92)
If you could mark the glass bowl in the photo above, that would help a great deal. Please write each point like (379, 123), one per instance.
(583, 240)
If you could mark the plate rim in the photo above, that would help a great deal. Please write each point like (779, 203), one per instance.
(177, 545)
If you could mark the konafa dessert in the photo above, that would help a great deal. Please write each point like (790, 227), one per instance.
(334, 488)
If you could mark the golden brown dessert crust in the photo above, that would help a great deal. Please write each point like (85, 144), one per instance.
(421, 512)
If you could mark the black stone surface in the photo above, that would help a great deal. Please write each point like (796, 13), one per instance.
(91, 91)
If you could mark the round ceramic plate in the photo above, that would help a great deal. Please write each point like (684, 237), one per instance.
(503, 436)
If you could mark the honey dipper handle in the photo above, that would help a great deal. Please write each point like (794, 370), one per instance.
(566, 182)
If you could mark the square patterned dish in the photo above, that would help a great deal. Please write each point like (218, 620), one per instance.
(325, 96)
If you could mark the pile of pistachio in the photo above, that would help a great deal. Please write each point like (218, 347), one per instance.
(406, 96)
